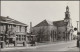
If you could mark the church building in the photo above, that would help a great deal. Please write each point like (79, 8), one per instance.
(54, 30)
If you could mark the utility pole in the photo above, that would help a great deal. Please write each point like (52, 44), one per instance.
(0, 28)
(77, 26)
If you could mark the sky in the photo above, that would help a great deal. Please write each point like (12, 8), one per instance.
(37, 11)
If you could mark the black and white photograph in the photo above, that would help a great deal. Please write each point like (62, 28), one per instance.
(39, 26)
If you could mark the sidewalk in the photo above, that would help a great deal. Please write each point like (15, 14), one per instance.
(33, 47)
(11, 47)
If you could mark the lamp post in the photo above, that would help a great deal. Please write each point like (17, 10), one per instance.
(77, 25)
(0, 38)
(0, 44)
(78, 35)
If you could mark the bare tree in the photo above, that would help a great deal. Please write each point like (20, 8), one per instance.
(40, 35)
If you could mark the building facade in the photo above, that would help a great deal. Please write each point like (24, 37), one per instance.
(55, 30)
(12, 31)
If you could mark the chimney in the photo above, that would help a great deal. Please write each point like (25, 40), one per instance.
(7, 16)
(30, 27)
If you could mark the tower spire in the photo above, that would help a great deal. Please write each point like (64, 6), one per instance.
(67, 15)
(67, 9)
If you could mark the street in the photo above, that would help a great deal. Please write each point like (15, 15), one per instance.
(63, 46)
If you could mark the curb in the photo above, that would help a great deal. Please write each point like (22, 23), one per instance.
(17, 48)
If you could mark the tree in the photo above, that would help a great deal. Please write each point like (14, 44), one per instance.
(40, 35)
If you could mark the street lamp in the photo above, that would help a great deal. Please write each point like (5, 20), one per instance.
(0, 38)
(77, 35)
(77, 25)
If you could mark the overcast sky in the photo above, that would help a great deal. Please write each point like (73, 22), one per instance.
(37, 11)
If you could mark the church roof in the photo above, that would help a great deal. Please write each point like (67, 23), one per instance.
(10, 21)
(44, 23)
(48, 23)
(60, 23)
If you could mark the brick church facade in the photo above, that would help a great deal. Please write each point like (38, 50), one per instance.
(54, 30)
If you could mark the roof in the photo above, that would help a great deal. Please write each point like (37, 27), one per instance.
(4, 18)
(8, 20)
(44, 23)
(48, 23)
(60, 23)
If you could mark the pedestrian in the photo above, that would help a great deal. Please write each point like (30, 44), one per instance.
(7, 42)
(14, 39)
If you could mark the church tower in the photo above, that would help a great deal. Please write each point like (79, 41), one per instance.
(67, 15)
(69, 27)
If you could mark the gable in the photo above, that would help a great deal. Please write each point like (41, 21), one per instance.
(43, 23)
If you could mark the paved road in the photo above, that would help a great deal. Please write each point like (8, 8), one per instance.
(73, 49)
(64, 46)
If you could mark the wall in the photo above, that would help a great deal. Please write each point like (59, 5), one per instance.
(61, 32)
(69, 30)
(48, 31)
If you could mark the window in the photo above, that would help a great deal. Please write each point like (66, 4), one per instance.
(16, 38)
(59, 32)
(20, 28)
(19, 37)
(24, 38)
(25, 29)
